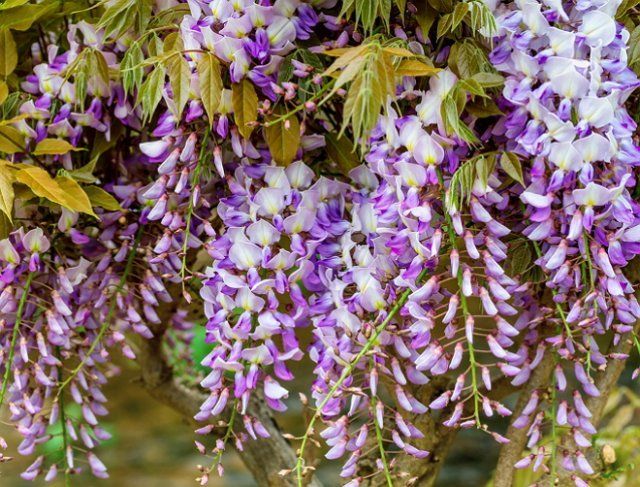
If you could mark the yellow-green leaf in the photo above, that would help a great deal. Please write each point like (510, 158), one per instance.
(53, 147)
(41, 184)
(484, 167)
(151, 91)
(400, 52)
(426, 16)
(488, 80)
(21, 18)
(510, 163)
(99, 197)
(75, 197)
(414, 67)
(4, 91)
(12, 120)
(345, 55)
(8, 53)
(180, 79)
(172, 43)
(6, 190)
(63, 191)
(283, 139)
(102, 72)
(5, 226)
(11, 141)
(7, 4)
(210, 84)
(458, 14)
(342, 152)
(245, 106)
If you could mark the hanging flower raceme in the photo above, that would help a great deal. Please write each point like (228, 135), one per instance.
(566, 86)
(207, 149)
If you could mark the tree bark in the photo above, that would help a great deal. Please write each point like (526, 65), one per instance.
(264, 458)
(510, 452)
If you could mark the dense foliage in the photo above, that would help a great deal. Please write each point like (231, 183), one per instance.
(397, 194)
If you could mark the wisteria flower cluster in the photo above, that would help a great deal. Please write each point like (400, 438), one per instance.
(397, 217)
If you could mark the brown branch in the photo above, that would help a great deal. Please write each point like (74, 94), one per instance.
(265, 458)
(607, 379)
(511, 452)
(437, 440)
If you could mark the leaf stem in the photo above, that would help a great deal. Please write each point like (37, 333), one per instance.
(225, 439)
(379, 439)
(465, 308)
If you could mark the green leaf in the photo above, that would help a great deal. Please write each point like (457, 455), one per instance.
(460, 186)
(520, 258)
(478, 168)
(482, 108)
(624, 7)
(459, 14)
(481, 18)
(283, 138)
(81, 81)
(123, 15)
(444, 25)
(101, 73)
(210, 83)
(450, 114)
(131, 68)
(172, 43)
(53, 147)
(342, 152)
(472, 86)
(311, 58)
(285, 73)
(426, 15)
(245, 106)
(180, 79)
(11, 141)
(467, 59)
(22, 18)
(8, 53)
(151, 92)
(633, 51)
(7, 4)
(6, 190)
(373, 80)
(488, 80)
(117, 17)
(510, 164)
(484, 167)
(99, 197)
(367, 12)
(84, 174)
